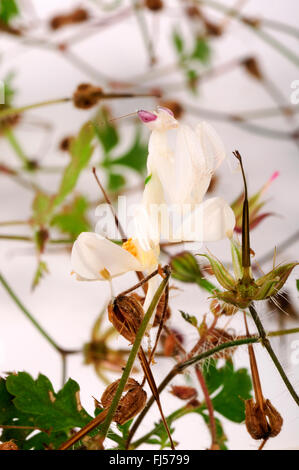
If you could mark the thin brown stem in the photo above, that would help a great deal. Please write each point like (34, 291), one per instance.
(210, 407)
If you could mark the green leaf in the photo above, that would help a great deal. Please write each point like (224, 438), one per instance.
(190, 319)
(201, 50)
(9, 90)
(72, 219)
(41, 271)
(234, 387)
(58, 412)
(136, 157)
(42, 207)
(220, 434)
(81, 150)
(8, 10)
(178, 42)
(147, 179)
(105, 131)
(297, 284)
(115, 182)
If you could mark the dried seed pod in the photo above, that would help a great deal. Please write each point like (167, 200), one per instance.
(170, 343)
(160, 310)
(77, 16)
(154, 5)
(222, 308)
(262, 424)
(174, 106)
(126, 314)
(8, 445)
(87, 95)
(252, 67)
(183, 392)
(215, 337)
(130, 404)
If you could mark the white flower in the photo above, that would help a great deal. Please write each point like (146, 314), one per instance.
(180, 174)
(95, 258)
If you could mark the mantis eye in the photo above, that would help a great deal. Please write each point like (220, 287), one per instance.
(146, 116)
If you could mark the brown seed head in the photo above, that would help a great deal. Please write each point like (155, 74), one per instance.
(154, 5)
(251, 65)
(8, 445)
(174, 106)
(87, 95)
(77, 16)
(65, 143)
(130, 404)
(262, 424)
(126, 314)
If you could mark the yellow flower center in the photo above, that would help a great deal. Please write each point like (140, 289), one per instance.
(130, 246)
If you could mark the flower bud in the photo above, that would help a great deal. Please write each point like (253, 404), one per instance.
(130, 404)
(262, 424)
(183, 392)
(87, 95)
(185, 267)
(126, 314)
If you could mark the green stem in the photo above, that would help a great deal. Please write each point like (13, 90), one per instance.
(283, 332)
(184, 410)
(11, 111)
(28, 315)
(133, 354)
(24, 238)
(16, 146)
(271, 353)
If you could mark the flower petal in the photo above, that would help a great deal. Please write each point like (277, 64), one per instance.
(212, 220)
(97, 258)
(212, 145)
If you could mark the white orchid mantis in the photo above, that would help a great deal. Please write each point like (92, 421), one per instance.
(180, 177)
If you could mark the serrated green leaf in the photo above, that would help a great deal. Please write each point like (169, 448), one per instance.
(81, 150)
(201, 50)
(235, 387)
(58, 412)
(105, 131)
(115, 182)
(136, 157)
(8, 10)
(72, 219)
